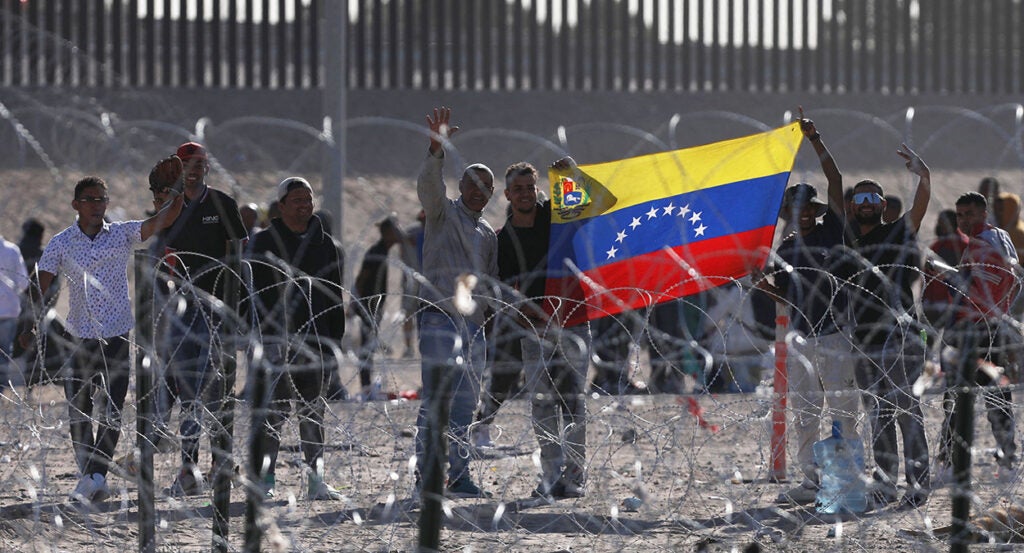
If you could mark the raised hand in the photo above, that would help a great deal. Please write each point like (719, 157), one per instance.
(806, 125)
(914, 162)
(440, 127)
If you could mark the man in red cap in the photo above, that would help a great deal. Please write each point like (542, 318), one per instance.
(197, 245)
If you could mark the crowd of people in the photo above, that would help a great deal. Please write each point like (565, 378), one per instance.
(847, 272)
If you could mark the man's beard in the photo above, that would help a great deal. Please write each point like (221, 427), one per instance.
(874, 218)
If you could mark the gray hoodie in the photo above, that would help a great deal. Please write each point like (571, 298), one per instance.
(456, 240)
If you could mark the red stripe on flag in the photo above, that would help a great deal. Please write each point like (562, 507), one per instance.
(657, 277)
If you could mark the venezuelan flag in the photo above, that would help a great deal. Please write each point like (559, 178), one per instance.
(635, 232)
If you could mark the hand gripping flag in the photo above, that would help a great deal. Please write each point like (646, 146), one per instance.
(636, 232)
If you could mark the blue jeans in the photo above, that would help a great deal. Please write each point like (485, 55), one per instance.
(8, 329)
(193, 344)
(454, 356)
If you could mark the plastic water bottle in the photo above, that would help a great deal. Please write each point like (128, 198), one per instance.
(842, 468)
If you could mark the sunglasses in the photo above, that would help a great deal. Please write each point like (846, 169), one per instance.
(867, 198)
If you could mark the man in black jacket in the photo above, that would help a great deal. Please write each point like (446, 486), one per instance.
(297, 276)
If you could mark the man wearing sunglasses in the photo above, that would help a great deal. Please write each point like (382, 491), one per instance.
(822, 361)
(92, 258)
(880, 275)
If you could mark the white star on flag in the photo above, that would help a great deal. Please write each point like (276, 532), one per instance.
(620, 236)
(669, 209)
(700, 230)
(653, 213)
(684, 210)
(611, 253)
(635, 223)
(696, 216)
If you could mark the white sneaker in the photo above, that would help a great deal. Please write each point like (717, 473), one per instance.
(84, 490)
(482, 437)
(91, 488)
(318, 490)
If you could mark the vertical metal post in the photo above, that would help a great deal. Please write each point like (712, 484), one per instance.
(436, 456)
(963, 440)
(334, 27)
(223, 461)
(145, 396)
(781, 389)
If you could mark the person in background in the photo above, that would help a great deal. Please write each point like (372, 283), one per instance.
(986, 285)
(949, 246)
(371, 288)
(990, 188)
(197, 248)
(98, 322)
(297, 272)
(31, 242)
(13, 282)
(461, 247)
(250, 214)
(412, 257)
(893, 208)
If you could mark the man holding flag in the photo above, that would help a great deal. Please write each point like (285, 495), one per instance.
(820, 358)
(555, 355)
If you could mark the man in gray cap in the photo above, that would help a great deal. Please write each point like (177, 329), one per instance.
(816, 308)
(460, 257)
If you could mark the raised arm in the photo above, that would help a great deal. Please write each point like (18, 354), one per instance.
(828, 165)
(163, 218)
(430, 185)
(924, 186)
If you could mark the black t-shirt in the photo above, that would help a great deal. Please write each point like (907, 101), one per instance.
(199, 239)
(814, 293)
(880, 278)
(523, 253)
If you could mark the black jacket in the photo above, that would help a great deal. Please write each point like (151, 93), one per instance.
(297, 280)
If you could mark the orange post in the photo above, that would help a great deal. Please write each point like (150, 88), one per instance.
(781, 389)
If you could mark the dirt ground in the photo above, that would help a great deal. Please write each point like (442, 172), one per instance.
(700, 490)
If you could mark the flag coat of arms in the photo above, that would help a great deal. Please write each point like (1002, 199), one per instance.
(640, 231)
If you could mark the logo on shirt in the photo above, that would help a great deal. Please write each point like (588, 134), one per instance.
(211, 219)
(570, 198)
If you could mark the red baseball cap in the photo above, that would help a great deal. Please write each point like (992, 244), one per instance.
(191, 150)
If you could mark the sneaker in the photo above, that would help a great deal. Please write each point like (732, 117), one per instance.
(482, 437)
(85, 489)
(102, 492)
(267, 487)
(804, 494)
(188, 482)
(465, 488)
(882, 494)
(912, 500)
(318, 490)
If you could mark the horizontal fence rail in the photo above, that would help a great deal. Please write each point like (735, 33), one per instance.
(837, 46)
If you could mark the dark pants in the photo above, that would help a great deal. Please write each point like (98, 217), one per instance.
(195, 350)
(887, 372)
(98, 380)
(304, 389)
(370, 314)
(506, 369)
(997, 344)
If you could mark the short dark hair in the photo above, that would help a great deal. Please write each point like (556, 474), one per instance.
(972, 198)
(869, 182)
(519, 169)
(89, 182)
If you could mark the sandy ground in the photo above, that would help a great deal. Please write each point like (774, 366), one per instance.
(699, 488)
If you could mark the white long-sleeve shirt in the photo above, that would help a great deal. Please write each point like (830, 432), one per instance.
(13, 280)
